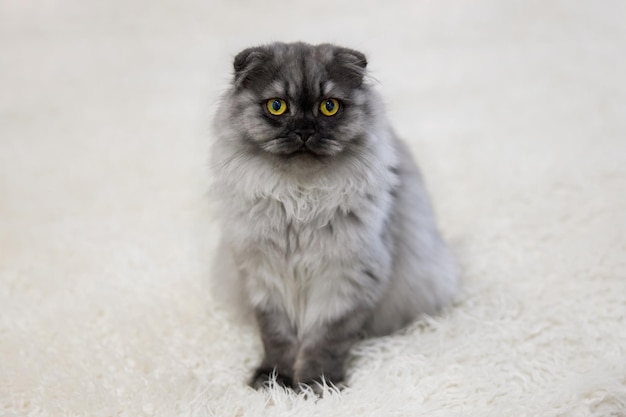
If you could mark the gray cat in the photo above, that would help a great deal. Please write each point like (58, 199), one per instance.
(324, 213)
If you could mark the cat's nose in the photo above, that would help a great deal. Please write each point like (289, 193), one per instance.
(304, 134)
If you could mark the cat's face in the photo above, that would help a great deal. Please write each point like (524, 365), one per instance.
(299, 101)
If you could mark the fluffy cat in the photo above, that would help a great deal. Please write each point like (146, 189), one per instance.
(323, 211)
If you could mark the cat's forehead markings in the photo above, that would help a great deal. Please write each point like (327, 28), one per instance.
(297, 78)
(328, 87)
(300, 77)
(275, 89)
(292, 88)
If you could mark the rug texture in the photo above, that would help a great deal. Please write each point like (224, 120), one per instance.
(516, 112)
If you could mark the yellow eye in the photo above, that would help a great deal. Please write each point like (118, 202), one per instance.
(329, 107)
(276, 106)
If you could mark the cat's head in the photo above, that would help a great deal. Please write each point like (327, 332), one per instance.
(298, 101)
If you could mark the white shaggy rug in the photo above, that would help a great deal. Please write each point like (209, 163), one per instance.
(515, 110)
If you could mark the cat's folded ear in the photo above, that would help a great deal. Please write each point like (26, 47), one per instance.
(349, 65)
(351, 57)
(247, 63)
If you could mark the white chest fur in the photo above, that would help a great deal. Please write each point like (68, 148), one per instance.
(307, 255)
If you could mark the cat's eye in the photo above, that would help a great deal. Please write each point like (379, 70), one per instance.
(329, 107)
(276, 106)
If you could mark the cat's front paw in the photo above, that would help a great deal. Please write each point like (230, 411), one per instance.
(314, 376)
(266, 376)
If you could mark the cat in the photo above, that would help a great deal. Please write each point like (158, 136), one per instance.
(323, 211)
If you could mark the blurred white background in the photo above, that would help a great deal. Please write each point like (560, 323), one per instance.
(515, 110)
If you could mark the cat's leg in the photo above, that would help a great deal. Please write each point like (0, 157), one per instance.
(280, 345)
(323, 350)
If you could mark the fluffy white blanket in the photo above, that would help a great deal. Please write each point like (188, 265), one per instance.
(515, 110)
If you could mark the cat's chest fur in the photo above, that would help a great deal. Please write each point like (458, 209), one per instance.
(304, 225)
(302, 249)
